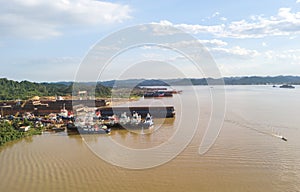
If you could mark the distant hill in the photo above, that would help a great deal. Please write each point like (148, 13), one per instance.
(256, 80)
(252, 80)
(13, 90)
(19, 90)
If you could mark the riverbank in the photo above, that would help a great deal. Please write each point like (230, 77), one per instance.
(11, 130)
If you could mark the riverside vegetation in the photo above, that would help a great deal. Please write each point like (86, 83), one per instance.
(10, 130)
(24, 90)
(13, 90)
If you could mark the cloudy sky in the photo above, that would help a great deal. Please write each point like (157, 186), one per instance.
(46, 40)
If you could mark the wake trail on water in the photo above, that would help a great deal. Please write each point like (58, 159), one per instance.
(257, 127)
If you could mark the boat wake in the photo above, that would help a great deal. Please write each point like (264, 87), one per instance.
(246, 124)
(280, 136)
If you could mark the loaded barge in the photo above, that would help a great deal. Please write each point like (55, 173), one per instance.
(45, 107)
(156, 112)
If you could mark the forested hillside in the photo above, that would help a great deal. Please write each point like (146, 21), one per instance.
(13, 90)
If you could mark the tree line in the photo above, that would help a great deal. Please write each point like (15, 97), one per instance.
(9, 130)
(14, 90)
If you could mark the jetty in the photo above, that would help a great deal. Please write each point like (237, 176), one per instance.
(45, 107)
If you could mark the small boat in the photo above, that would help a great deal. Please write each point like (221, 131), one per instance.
(148, 122)
(124, 119)
(135, 122)
(136, 119)
(287, 86)
(283, 138)
(88, 128)
(280, 136)
(65, 114)
(168, 94)
(158, 94)
(110, 121)
(149, 94)
(94, 130)
(58, 129)
(71, 125)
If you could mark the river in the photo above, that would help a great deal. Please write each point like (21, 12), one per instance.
(245, 157)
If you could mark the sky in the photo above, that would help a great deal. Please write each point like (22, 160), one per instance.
(47, 40)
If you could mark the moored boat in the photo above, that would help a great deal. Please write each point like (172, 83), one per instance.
(71, 125)
(93, 130)
(148, 122)
(158, 94)
(57, 129)
(88, 129)
(287, 86)
(137, 123)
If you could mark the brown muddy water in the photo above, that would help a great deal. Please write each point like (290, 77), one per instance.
(245, 157)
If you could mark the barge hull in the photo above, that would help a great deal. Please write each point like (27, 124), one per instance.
(156, 112)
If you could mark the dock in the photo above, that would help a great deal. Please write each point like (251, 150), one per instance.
(41, 108)
(44, 108)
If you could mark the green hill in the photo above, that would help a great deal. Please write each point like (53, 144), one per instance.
(13, 90)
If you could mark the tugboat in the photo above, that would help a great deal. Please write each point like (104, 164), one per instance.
(136, 121)
(94, 130)
(71, 126)
(287, 86)
(84, 128)
(65, 114)
(148, 121)
(124, 119)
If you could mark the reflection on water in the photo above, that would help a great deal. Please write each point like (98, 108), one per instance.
(246, 157)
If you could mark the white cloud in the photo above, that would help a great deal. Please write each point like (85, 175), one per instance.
(285, 23)
(165, 28)
(264, 44)
(236, 51)
(291, 56)
(215, 14)
(206, 43)
(270, 62)
(217, 47)
(44, 18)
(213, 43)
(298, 1)
(195, 29)
(223, 18)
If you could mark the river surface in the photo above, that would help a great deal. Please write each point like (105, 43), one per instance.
(248, 154)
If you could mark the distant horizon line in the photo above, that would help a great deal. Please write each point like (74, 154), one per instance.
(70, 81)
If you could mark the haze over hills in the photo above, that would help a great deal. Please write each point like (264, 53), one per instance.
(10, 89)
(252, 80)
(246, 80)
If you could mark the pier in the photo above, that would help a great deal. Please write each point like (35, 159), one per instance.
(42, 108)
(45, 107)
